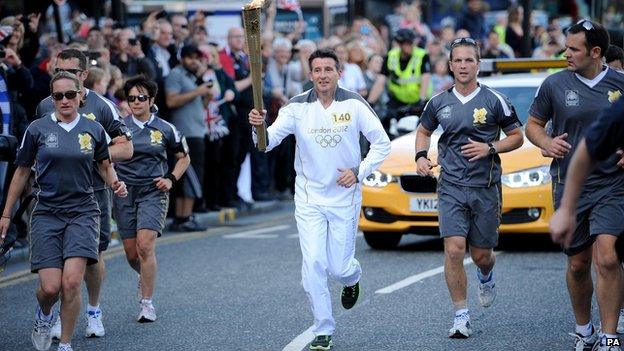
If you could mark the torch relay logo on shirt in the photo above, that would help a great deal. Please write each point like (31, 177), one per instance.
(84, 139)
(614, 95)
(156, 137)
(479, 116)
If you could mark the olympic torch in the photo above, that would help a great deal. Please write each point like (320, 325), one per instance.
(251, 20)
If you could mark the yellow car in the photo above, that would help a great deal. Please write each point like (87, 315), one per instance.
(397, 201)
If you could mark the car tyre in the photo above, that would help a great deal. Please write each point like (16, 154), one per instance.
(382, 240)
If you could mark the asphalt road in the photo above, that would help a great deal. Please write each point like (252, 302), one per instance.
(237, 287)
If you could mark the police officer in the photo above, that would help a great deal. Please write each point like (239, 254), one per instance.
(141, 215)
(103, 111)
(64, 148)
(406, 72)
(469, 199)
(572, 99)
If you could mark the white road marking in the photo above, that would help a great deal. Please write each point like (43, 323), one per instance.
(415, 278)
(293, 236)
(300, 341)
(258, 233)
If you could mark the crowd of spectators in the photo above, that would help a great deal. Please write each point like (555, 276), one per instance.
(205, 87)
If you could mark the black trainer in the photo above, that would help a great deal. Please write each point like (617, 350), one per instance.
(321, 342)
(350, 295)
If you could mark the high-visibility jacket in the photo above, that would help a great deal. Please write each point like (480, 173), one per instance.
(404, 85)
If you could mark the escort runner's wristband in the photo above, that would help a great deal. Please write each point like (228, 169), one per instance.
(171, 177)
(419, 154)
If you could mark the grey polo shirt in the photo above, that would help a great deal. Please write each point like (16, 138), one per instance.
(190, 117)
(64, 162)
(151, 142)
(573, 103)
(97, 108)
(480, 116)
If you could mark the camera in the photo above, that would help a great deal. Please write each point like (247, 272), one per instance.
(133, 41)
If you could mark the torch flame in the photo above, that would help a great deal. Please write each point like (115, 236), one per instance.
(254, 4)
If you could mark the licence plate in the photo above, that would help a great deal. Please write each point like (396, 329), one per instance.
(424, 204)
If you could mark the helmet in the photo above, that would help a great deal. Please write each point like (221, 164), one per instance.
(405, 35)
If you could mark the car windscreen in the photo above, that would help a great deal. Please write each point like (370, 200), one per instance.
(521, 98)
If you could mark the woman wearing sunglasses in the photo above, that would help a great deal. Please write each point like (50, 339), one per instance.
(65, 228)
(141, 216)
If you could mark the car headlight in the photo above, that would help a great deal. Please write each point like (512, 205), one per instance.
(378, 179)
(527, 178)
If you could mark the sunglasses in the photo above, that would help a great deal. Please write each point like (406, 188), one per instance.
(460, 41)
(587, 24)
(141, 97)
(70, 70)
(70, 95)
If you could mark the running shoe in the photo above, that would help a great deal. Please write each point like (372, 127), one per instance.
(461, 327)
(95, 328)
(349, 295)
(321, 342)
(147, 313)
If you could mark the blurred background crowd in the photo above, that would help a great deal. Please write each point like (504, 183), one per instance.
(195, 51)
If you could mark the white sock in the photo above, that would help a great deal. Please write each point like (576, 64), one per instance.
(61, 345)
(585, 330)
(93, 309)
(146, 301)
(460, 311)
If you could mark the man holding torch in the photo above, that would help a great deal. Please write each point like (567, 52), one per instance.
(326, 122)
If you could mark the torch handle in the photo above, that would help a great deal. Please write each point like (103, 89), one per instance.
(251, 21)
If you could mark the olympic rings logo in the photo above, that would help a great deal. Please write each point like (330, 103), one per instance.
(328, 140)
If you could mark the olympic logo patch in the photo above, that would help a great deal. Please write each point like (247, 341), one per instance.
(328, 140)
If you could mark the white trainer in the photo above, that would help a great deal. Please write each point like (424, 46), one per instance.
(147, 313)
(586, 343)
(95, 328)
(620, 325)
(461, 327)
(55, 332)
(40, 336)
(487, 291)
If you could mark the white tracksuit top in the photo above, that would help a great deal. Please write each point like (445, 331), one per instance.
(328, 139)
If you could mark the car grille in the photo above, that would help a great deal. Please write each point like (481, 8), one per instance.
(517, 216)
(418, 184)
(382, 216)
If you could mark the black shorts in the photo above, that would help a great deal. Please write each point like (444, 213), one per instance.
(600, 210)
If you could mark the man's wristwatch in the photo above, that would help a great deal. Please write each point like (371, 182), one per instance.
(492, 149)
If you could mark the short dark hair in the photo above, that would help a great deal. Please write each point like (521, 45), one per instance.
(141, 81)
(324, 53)
(68, 54)
(614, 53)
(596, 35)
